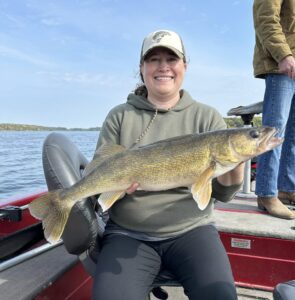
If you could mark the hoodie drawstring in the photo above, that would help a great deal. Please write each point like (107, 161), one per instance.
(146, 130)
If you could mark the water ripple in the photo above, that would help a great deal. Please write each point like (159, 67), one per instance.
(21, 171)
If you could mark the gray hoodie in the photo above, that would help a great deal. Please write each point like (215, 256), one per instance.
(167, 213)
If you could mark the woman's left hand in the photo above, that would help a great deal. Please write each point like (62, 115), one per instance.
(133, 187)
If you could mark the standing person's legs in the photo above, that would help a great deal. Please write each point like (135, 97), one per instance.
(125, 270)
(200, 263)
(286, 181)
(278, 96)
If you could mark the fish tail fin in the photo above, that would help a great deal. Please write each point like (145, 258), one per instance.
(40, 207)
(54, 224)
(50, 209)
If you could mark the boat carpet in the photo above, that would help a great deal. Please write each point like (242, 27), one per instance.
(241, 215)
(25, 280)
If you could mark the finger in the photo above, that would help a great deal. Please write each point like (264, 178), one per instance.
(133, 187)
(291, 73)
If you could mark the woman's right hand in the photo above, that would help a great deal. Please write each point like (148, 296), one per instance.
(287, 66)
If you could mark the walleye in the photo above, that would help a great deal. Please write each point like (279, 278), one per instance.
(191, 160)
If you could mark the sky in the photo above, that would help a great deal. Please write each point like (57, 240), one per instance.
(68, 62)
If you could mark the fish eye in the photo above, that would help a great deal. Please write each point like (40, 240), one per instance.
(254, 134)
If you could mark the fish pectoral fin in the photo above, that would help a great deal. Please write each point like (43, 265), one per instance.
(202, 189)
(106, 200)
(103, 152)
(202, 195)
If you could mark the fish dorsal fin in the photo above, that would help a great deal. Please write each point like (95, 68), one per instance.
(101, 154)
(172, 139)
(106, 200)
(107, 150)
(202, 189)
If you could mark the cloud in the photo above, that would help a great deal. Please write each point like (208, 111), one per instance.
(20, 55)
(13, 20)
(84, 79)
(223, 87)
(224, 29)
(51, 22)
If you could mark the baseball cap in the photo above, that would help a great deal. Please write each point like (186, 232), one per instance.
(163, 38)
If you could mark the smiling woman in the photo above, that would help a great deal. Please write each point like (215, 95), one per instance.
(148, 230)
(163, 73)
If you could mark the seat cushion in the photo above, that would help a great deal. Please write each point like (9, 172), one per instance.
(285, 291)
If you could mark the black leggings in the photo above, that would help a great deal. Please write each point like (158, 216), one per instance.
(126, 267)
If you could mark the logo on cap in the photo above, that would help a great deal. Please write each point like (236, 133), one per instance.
(157, 37)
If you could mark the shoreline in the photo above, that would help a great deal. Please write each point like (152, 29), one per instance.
(25, 127)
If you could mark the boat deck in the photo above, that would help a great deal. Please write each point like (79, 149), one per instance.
(26, 280)
(176, 293)
(261, 249)
(241, 215)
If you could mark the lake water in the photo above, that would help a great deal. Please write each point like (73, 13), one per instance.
(21, 171)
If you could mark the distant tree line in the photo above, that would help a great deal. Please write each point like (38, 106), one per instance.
(23, 127)
(231, 123)
(238, 122)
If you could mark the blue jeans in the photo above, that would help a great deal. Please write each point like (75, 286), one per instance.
(276, 168)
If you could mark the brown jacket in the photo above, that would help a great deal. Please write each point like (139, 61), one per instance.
(274, 22)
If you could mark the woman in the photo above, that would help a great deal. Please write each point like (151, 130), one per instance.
(151, 230)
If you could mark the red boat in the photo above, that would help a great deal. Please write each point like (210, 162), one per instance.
(261, 248)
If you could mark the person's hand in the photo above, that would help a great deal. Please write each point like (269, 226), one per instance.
(133, 187)
(233, 177)
(287, 66)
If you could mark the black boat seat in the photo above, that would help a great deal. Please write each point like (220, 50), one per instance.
(247, 112)
(285, 291)
(255, 108)
(63, 165)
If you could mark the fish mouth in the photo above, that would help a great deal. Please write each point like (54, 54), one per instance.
(270, 141)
